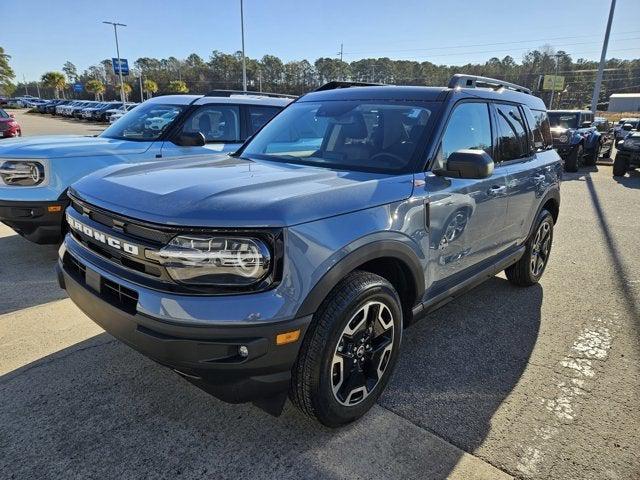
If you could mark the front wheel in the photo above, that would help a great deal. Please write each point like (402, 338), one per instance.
(529, 269)
(575, 159)
(619, 166)
(350, 350)
(592, 158)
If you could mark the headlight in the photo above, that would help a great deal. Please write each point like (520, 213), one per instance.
(563, 138)
(215, 260)
(22, 173)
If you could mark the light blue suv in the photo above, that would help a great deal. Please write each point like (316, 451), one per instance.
(292, 266)
(36, 172)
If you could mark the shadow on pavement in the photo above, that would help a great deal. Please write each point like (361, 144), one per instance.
(630, 180)
(582, 174)
(27, 275)
(99, 409)
(459, 364)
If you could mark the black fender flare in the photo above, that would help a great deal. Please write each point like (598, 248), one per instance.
(552, 194)
(377, 249)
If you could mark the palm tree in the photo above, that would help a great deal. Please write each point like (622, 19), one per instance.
(56, 81)
(178, 86)
(127, 90)
(96, 87)
(150, 87)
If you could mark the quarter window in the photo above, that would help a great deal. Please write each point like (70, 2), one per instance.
(540, 129)
(512, 133)
(259, 116)
(469, 127)
(218, 123)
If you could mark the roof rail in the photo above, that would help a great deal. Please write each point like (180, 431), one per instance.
(460, 80)
(228, 93)
(343, 84)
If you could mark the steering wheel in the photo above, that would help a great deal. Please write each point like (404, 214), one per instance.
(387, 154)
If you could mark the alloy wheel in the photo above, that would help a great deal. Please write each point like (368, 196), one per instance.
(540, 249)
(362, 353)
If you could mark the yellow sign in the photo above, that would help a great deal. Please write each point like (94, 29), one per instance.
(553, 82)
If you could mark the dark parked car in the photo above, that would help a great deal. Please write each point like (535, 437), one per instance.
(575, 138)
(293, 265)
(619, 130)
(627, 155)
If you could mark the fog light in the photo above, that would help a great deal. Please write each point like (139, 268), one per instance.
(243, 351)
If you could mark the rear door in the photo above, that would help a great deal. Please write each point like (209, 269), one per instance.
(525, 149)
(466, 216)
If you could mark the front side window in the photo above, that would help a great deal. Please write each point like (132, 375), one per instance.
(354, 134)
(218, 123)
(144, 123)
(469, 128)
(512, 133)
(259, 116)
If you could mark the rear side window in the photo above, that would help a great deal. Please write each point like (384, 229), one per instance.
(469, 127)
(259, 116)
(512, 133)
(540, 129)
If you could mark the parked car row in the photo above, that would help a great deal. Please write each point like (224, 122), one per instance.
(85, 109)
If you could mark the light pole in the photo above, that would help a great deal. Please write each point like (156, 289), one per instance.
(244, 62)
(115, 31)
(603, 59)
(553, 85)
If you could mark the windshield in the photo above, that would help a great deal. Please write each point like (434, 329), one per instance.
(563, 120)
(355, 135)
(145, 123)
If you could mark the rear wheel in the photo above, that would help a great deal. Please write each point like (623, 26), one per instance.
(619, 166)
(529, 269)
(350, 350)
(575, 159)
(592, 158)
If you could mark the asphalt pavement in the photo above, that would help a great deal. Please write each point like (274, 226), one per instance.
(542, 382)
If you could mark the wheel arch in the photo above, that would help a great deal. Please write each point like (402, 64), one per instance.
(551, 202)
(391, 259)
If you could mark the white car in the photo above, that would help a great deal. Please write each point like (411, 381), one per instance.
(116, 113)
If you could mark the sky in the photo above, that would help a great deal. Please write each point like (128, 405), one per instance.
(41, 35)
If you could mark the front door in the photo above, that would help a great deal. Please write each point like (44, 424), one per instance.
(466, 216)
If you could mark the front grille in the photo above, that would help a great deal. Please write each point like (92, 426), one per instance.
(113, 293)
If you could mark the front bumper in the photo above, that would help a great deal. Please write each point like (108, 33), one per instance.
(206, 355)
(39, 222)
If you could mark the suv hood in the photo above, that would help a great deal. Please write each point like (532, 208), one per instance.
(69, 146)
(233, 192)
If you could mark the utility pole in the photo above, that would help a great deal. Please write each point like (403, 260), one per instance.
(603, 59)
(115, 31)
(553, 84)
(341, 51)
(38, 88)
(260, 79)
(24, 81)
(244, 62)
(141, 89)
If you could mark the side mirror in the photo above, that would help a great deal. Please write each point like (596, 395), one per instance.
(468, 164)
(190, 139)
(627, 127)
(586, 124)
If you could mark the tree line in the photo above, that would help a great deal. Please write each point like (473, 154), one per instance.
(195, 74)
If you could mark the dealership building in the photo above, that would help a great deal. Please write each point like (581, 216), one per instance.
(624, 102)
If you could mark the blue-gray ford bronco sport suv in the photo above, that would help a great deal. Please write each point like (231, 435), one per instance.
(292, 266)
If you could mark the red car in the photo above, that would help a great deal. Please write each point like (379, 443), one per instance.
(8, 125)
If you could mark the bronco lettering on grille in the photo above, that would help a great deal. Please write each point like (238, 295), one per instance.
(102, 237)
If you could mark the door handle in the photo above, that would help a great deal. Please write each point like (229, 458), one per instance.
(539, 178)
(497, 190)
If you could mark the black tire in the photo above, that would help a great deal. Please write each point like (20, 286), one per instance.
(591, 159)
(574, 160)
(315, 374)
(522, 272)
(619, 166)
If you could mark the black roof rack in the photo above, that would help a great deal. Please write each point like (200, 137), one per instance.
(228, 93)
(343, 84)
(460, 80)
